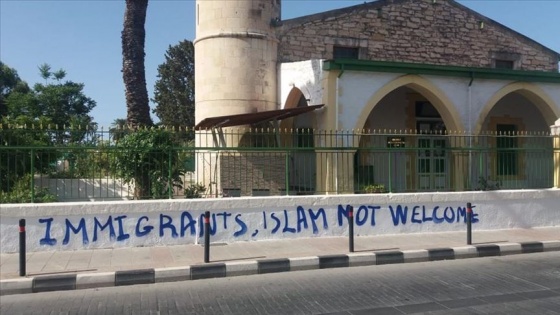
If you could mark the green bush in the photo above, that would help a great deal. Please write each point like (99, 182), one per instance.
(375, 188)
(487, 184)
(148, 159)
(195, 191)
(21, 193)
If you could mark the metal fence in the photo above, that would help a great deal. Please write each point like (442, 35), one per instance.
(87, 164)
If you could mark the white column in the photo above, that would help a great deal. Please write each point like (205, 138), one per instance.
(555, 132)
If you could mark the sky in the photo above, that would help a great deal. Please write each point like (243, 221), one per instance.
(84, 37)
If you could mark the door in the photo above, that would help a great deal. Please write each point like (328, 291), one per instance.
(432, 164)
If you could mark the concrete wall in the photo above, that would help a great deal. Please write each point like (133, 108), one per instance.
(73, 226)
(84, 189)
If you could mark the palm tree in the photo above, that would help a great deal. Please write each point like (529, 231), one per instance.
(118, 129)
(134, 76)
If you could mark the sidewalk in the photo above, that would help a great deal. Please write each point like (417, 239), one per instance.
(98, 267)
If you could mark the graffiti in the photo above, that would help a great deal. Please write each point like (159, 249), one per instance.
(301, 220)
(417, 215)
(248, 225)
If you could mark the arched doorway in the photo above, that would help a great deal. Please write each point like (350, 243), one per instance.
(405, 144)
(515, 122)
(298, 135)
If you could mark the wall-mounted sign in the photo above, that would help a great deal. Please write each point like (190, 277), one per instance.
(395, 142)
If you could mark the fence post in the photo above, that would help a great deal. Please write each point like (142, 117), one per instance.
(32, 175)
(390, 175)
(469, 223)
(351, 228)
(207, 236)
(169, 174)
(22, 248)
(287, 185)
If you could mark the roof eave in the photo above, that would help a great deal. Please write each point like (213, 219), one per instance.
(448, 71)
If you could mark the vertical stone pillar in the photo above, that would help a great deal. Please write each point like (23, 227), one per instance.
(324, 182)
(459, 162)
(555, 132)
(335, 171)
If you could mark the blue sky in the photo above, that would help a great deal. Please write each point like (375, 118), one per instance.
(83, 37)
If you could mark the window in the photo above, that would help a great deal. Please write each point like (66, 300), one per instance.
(346, 52)
(505, 60)
(506, 144)
(503, 64)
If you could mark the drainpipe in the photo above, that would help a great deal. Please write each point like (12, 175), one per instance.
(336, 125)
(469, 122)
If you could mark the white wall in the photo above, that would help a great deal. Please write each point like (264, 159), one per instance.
(306, 76)
(71, 226)
(357, 88)
(83, 189)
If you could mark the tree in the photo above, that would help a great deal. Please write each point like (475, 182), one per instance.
(146, 158)
(10, 82)
(57, 103)
(64, 103)
(134, 76)
(174, 89)
(118, 129)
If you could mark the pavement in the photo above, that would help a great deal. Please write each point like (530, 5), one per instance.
(83, 269)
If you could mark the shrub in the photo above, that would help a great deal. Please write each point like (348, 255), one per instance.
(375, 188)
(147, 159)
(487, 184)
(21, 193)
(195, 191)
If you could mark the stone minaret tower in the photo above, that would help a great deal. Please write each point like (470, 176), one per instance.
(235, 57)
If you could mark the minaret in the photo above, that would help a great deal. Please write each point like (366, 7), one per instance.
(235, 57)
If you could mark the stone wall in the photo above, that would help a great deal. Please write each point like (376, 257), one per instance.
(419, 31)
(253, 173)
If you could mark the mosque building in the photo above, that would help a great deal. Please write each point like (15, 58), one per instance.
(432, 75)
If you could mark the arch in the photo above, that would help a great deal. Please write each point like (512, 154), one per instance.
(293, 98)
(441, 102)
(532, 92)
(431, 92)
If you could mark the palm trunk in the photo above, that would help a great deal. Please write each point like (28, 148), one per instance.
(134, 76)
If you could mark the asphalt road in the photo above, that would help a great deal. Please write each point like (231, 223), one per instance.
(519, 284)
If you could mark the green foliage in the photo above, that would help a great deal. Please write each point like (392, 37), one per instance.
(86, 163)
(195, 191)
(118, 129)
(174, 89)
(17, 162)
(21, 193)
(10, 82)
(58, 104)
(487, 184)
(375, 188)
(147, 159)
(45, 71)
(29, 112)
(66, 105)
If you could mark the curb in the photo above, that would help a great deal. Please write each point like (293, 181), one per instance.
(264, 266)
